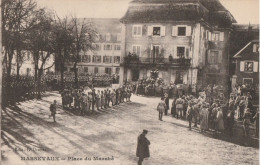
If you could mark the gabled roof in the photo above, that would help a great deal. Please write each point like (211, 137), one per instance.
(237, 55)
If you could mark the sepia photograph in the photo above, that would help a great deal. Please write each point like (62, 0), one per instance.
(129, 82)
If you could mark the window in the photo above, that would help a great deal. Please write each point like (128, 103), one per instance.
(137, 30)
(117, 47)
(117, 70)
(107, 59)
(98, 46)
(156, 31)
(86, 58)
(118, 37)
(85, 69)
(96, 59)
(213, 57)
(215, 36)
(181, 52)
(137, 50)
(117, 59)
(96, 70)
(181, 31)
(107, 47)
(179, 77)
(108, 71)
(249, 66)
(107, 37)
(28, 70)
(102, 37)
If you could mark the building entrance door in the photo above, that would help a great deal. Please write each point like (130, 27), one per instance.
(156, 52)
(135, 75)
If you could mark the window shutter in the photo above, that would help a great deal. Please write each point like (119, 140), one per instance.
(174, 31)
(208, 57)
(188, 31)
(162, 30)
(255, 66)
(242, 66)
(187, 52)
(210, 36)
(254, 48)
(219, 57)
(221, 36)
(150, 30)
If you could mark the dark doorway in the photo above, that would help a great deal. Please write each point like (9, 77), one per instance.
(135, 74)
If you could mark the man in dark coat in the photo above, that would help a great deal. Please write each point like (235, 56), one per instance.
(142, 147)
(53, 110)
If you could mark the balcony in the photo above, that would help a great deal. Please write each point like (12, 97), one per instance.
(163, 62)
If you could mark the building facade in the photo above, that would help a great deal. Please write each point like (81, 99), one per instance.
(106, 58)
(186, 41)
(27, 66)
(247, 65)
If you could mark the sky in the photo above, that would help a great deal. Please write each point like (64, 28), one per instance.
(244, 11)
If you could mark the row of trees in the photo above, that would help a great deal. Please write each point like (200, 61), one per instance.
(27, 27)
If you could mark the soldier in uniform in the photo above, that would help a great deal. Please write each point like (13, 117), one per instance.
(102, 100)
(179, 107)
(98, 100)
(53, 110)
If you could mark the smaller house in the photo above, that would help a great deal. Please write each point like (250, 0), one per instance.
(247, 65)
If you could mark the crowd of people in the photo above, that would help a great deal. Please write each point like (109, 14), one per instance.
(216, 114)
(157, 87)
(86, 99)
(19, 88)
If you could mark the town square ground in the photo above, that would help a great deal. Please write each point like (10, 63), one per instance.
(27, 131)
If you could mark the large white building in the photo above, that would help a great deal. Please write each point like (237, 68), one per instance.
(186, 41)
(107, 57)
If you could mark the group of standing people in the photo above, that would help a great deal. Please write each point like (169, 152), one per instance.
(88, 100)
(218, 115)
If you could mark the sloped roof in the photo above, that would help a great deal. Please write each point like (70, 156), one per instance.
(177, 10)
(245, 27)
(106, 25)
(237, 55)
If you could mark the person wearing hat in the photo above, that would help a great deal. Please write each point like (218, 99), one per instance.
(53, 110)
(142, 150)
(161, 108)
(189, 113)
(166, 100)
(179, 107)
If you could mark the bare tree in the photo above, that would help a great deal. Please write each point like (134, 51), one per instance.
(64, 41)
(15, 14)
(84, 40)
(40, 40)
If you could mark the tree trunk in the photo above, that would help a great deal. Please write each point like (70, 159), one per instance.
(17, 64)
(76, 74)
(39, 83)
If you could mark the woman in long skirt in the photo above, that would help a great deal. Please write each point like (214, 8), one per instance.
(204, 118)
(219, 120)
